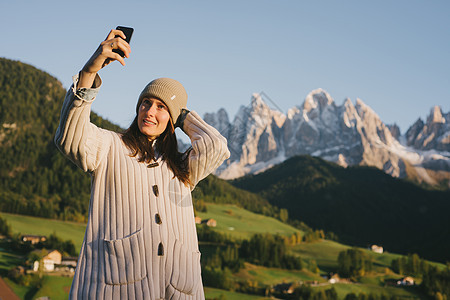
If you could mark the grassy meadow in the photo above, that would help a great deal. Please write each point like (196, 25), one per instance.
(8, 260)
(242, 224)
(273, 276)
(41, 226)
(211, 293)
(56, 286)
(237, 223)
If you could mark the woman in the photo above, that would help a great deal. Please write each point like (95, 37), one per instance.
(140, 240)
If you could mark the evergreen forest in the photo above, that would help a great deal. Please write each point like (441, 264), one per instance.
(35, 179)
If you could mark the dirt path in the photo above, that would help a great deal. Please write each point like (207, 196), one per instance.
(5, 292)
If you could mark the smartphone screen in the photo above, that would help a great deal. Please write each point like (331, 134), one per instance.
(128, 31)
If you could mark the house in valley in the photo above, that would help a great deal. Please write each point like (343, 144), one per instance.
(69, 261)
(285, 288)
(33, 239)
(406, 281)
(377, 249)
(47, 260)
(210, 222)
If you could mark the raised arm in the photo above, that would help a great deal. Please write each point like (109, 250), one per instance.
(103, 56)
(76, 136)
(209, 148)
(83, 142)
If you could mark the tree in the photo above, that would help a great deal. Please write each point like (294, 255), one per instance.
(5, 228)
(284, 215)
(54, 242)
(270, 251)
(353, 263)
(411, 265)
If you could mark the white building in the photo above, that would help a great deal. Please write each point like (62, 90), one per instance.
(49, 261)
(376, 249)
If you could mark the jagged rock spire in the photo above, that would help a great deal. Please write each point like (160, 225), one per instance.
(349, 134)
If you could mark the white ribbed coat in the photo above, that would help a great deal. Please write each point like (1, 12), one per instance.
(140, 240)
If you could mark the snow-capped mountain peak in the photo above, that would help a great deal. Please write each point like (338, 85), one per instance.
(349, 134)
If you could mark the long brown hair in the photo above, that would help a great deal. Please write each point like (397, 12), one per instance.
(166, 145)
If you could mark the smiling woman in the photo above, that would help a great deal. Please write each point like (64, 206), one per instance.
(153, 116)
(141, 240)
(160, 102)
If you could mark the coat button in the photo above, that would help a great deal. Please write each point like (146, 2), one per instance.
(152, 165)
(160, 249)
(158, 219)
(155, 190)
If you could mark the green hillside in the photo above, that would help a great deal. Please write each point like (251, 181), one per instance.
(35, 179)
(240, 223)
(271, 277)
(212, 293)
(40, 226)
(362, 205)
(215, 190)
(245, 223)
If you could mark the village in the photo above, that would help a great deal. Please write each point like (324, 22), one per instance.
(37, 258)
(54, 262)
(49, 261)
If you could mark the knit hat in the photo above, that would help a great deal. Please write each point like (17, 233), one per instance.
(168, 90)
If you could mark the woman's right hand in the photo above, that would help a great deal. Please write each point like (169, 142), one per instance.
(103, 56)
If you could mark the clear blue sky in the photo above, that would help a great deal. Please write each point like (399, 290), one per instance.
(394, 55)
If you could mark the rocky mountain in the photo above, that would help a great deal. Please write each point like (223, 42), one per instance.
(432, 135)
(348, 134)
(254, 138)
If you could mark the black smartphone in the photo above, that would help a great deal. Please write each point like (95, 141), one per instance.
(128, 31)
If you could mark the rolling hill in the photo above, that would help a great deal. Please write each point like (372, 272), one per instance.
(362, 205)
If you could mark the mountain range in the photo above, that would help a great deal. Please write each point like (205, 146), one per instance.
(260, 137)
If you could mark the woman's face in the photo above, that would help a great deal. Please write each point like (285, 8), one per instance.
(153, 116)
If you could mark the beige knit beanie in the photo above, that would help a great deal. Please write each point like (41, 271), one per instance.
(170, 91)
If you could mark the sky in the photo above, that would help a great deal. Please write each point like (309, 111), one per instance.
(393, 55)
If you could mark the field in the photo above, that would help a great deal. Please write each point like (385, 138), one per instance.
(343, 289)
(273, 276)
(40, 226)
(325, 253)
(240, 223)
(55, 287)
(7, 260)
(237, 223)
(216, 293)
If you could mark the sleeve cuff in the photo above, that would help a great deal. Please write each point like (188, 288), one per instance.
(86, 94)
